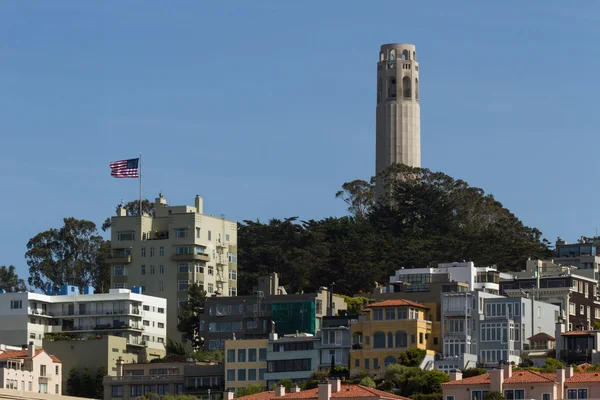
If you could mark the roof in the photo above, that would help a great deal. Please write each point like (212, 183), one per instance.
(527, 376)
(585, 365)
(346, 391)
(397, 303)
(12, 354)
(541, 336)
(577, 333)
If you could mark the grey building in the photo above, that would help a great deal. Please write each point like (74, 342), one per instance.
(204, 381)
(293, 357)
(336, 341)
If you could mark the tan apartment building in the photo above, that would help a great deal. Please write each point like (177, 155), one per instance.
(245, 363)
(167, 252)
(30, 370)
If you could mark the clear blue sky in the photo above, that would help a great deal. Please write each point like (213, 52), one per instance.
(265, 108)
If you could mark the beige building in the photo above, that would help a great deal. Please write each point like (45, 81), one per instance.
(98, 352)
(245, 363)
(165, 253)
(398, 121)
(14, 394)
(30, 370)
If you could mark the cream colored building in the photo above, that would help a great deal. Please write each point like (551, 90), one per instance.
(398, 120)
(165, 253)
(245, 363)
(30, 370)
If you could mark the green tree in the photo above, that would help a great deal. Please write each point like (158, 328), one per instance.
(469, 372)
(100, 374)
(360, 197)
(248, 390)
(552, 364)
(318, 376)
(286, 383)
(133, 209)
(10, 281)
(216, 355)
(412, 357)
(88, 384)
(189, 315)
(179, 397)
(66, 256)
(175, 348)
(495, 396)
(368, 382)
(355, 304)
(74, 387)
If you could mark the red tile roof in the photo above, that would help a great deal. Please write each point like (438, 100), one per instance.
(483, 379)
(527, 376)
(347, 391)
(584, 377)
(541, 336)
(397, 303)
(23, 354)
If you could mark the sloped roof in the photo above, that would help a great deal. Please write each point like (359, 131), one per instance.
(524, 376)
(541, 336)
(349, 391)
(397, 303)
(12, 354)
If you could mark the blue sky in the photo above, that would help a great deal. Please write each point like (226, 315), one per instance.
(265, 108)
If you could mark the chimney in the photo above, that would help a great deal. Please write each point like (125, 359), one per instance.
(121, 211)
(31, 350)
(273, 336)
(198, 204)
(280, 391)
(120, 366)
(228, 395)
(336, 385)
(569, 371)
(560, 378)
(324, 391)
(507, 370)
(496, 380)
(295, 389)
(455, 375)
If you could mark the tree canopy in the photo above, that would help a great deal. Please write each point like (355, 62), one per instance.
(10, 281)
(132, 208)
(188, 315)
(425, 218)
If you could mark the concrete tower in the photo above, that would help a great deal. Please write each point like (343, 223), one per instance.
(398, 123)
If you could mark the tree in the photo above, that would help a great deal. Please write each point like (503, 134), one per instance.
(360, 197)
(10, 281)
(216, 355)
(133, 209)
(66, 256)
(248, 390)
(552, 364)
(74, 382)
(412, 357)
(469, 372)
(410, 380)
(88, 384)
(368, 382)
(355, 304)
(285, 382)
(495, 396)
(175, 348)
(318, 376)
(189, 315)
(100, 374)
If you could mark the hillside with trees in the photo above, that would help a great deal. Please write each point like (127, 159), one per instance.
(426, 218)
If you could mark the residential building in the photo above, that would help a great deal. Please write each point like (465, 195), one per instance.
(483, 329)
(166, 252)
(30, 370)
(292, 357)
(389, 327)
(269, 310)
(64, 312)
(245, 363)
(524, 384)
(336, 341)
(398, 119)
(578, 347)
(333, 389)
(15, 394)
(135, 380)
(97, 353)
(581, 254)
(576, 295)
(541, 347)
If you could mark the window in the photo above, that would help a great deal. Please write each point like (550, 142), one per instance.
(16, 304)
(241, 355)
(183, 285)
(420, 337)
(143, 251)
(161, 310)
(378, 314)
(181, 233)
(143, 269)
(232, 292)
(149, 389)
(572, 308)
(210, 288)
(211, 270)
(230, 375)
(161, 251)
(401, 339)
(161, 325)
(262, 355)
(209, 235)
(135, 390)
(379, 340)
(261, 374)
(116, 391)
(251, 355)
(56, 370)
(122, 236)
(146, 323)
(402, 313)
(163, 389)
(390, 313)
(161, 286)
(230, 355)
(152, 270)
(241, 375)
(376, 363)
(197, 233)
(183, 268)
(227, 237)
(43, 370)
(357, 362)
(581, 309)
(367, 364)
(479, 394)
(152, 251)
(514, 394)
(546, 396)
(252, 374)
(449, 397)
(232, 274)
(232, 257)
(55, 388)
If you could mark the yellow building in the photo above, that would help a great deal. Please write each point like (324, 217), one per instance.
(245, 363)
(390, 327)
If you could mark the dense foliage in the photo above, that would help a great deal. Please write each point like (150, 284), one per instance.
(10, 281)
(188, 315)
(407, 381)
(85, 383)
(248, 390)
(428, 217)
(412, 357)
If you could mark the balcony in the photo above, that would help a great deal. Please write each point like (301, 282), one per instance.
(190, 257)
(145, 379)
(119, 259)
(582, 355)
(44, 378)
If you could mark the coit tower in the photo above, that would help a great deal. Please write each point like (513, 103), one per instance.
(398, 123)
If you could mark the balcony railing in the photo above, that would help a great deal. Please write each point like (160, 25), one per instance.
(145, 378)
(119, 259)
(190, 257)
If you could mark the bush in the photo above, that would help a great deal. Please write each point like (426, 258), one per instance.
(248, 390)
(495, 396)
(469, 372)
(368, 382)
(412, 358)
(430, 396)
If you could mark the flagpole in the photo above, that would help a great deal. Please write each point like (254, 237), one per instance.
(140, 185)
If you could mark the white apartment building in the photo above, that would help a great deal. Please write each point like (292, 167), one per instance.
(485, 279)
(28, 317)
(165, 253)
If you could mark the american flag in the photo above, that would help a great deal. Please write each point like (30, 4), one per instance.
(125, 168)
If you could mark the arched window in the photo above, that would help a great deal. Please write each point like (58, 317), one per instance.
(389, 361)
(406, 87)
(392, 55)
(401, 339)
(392, 88)
(357, 340)
(381, 56)
(379, 90)
(414, 55)
(417, 97)
(405, 54)
(379, 340)
(390, 341)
